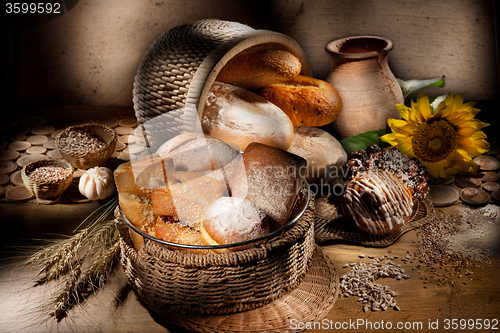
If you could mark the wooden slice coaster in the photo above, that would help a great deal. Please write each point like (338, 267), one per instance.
(77, 174)
(120, 146)
(125, 138)
(4, 179)
(54, 154)
(490, 176)
(18, 137)
(135, 149)
(43, 130)
(450, 179)
(123, 130)
(123, 156)
(7, 167)
(16, 179)
(464, 181)
(22, 161)
(494, 150)
(33, 121)
(108, 121)
(36, 150)
(51, 144)
(18, 193)
(19, 145)
(474, 196)
(56, 133)
(2, 191)
(3, 144)
(487, 163)
(80, 121)
(37, 140)
(129, 122)
(442, 195)
(491, 186)
(10, 120)
(19, 129)
(9, 155)
(74, 194)
(496, 196)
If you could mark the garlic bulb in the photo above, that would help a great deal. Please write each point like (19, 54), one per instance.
(97, 183)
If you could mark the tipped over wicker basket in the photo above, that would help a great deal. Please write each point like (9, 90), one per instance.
(170, 89)
(86, 159)
(47, 189)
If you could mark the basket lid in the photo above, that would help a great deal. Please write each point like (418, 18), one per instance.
(179, 68)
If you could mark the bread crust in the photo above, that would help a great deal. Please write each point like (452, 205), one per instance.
(258, 68)
(237, 115)
(306, 101)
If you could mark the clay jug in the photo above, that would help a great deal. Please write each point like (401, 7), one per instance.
(369, 90)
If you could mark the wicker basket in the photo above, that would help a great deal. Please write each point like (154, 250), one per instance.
(170, 89)
(47, 189)
(179, 68)
(92, 158)
(187, 282)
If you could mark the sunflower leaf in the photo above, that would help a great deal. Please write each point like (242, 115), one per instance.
(410, 86)
(362, 141)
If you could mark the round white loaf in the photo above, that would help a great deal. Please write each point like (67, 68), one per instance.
(239, 116)
(323, 153)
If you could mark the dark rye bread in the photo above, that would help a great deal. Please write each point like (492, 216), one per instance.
(270, 178)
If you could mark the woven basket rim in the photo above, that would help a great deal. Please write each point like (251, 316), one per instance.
(268, 237)
(72, 153)
(58, 162)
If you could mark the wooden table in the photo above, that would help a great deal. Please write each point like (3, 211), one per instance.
(421, 303)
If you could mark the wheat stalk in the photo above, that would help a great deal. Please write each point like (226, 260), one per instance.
(86, 260)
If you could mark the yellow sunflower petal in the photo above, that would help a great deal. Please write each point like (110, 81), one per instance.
(424, 106)
(403, 110)
(401, 126)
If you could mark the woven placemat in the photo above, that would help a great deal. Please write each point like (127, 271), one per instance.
(311, 301)
(330, 224)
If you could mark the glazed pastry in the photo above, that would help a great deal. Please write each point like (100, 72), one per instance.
(410, 171)
(377, 202)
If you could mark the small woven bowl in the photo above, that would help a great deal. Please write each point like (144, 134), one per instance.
(47, 189)
(91, 158)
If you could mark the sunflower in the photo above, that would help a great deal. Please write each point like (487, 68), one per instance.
(444, 140)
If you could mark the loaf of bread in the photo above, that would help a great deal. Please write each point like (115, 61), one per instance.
(257, 67)
(231, 220)
(197, 152)
(239, 116)
(270, 178)
(307, 101)
(325, 156)
(377, 202)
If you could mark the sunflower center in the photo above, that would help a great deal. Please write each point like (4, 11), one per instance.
(433, 142)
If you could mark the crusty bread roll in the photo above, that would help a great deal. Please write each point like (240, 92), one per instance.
(324, 154)
(171, 231)
(231, 220)
(270, 178)
(377, 202)
(143, 175)
(255, 68)
(236, 115)
(197, 152)
(307, 101)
